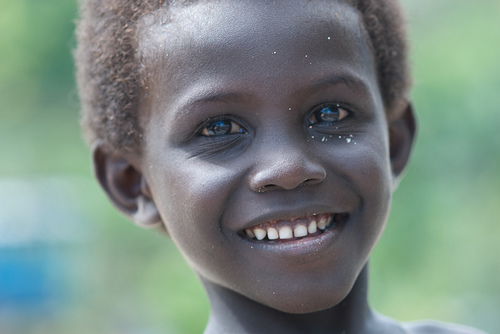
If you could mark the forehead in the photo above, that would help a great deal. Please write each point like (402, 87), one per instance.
(184, 44)
(201, 19)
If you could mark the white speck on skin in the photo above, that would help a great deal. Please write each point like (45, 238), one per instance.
(329, 37)
(274, 52)
(348, 140)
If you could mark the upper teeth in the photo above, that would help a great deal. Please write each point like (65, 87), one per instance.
(300, 231)
(272, 233)
(322, 223)
(288, 229)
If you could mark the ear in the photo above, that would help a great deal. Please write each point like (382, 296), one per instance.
(126, 187)
(401, 136)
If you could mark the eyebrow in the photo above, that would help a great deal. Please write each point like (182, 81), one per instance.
(203, 97)
(323, 83)
(224, 97)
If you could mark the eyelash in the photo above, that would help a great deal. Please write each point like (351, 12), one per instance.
(209, 128)
(204, 128)
(341, 112)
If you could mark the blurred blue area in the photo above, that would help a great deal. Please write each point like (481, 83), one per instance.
(40, 220)
(25, 276)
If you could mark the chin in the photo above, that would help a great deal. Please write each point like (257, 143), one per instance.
(308, 301)
(306, 307)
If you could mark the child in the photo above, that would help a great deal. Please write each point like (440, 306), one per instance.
(265, 137)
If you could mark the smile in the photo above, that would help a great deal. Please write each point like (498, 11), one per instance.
(295, 228)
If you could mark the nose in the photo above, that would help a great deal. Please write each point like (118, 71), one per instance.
(286, 168)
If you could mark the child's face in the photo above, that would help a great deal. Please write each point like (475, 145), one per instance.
(261, 116)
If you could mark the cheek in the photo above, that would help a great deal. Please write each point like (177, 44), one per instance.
(364, 164)
(191, 200)
(375, 178)
(371, 170)
(365, 157)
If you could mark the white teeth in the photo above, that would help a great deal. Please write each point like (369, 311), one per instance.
(322, 223)
(312, 228)
(250, 233)
(259, 233)
(299, 231)
(291, 230)
(286, 233)
(272, 233)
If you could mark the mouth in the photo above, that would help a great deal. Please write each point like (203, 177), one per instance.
(287, 230)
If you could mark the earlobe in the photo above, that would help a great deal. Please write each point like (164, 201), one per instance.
(126, 187)
(401, 136)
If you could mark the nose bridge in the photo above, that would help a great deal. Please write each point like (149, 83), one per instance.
(285, 162)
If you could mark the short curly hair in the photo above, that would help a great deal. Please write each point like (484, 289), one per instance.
(108, 65)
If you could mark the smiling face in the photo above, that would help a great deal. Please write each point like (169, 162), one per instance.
(266, 146)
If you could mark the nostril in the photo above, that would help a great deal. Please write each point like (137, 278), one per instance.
(269, 187)
(319, 179)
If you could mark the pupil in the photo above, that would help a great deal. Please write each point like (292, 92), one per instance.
(328, 114)
(219, 128)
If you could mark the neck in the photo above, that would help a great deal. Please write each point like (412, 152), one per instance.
(234, 313)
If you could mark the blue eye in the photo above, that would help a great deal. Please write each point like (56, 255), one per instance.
(327, 114)
(222, 127)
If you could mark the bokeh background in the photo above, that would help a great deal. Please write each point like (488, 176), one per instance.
(70, 264)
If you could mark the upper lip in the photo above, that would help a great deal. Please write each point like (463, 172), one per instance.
(288, 213)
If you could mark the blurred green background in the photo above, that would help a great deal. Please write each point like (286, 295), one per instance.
(70, 264)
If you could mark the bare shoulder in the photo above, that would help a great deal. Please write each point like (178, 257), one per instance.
(436, 327)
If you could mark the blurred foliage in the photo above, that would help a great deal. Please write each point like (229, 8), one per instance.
(439, 257)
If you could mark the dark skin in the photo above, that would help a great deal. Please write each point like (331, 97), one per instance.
(256, 113)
